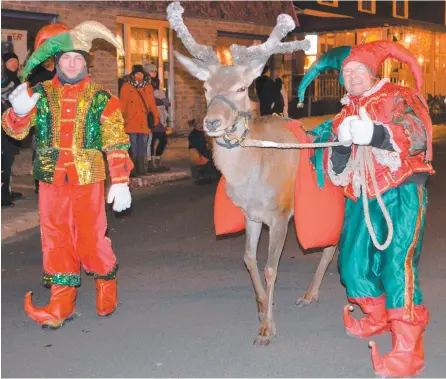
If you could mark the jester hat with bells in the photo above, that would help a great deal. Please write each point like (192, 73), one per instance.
(57, 38)
(373, 55)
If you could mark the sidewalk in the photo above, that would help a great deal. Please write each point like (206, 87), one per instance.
(24, 215)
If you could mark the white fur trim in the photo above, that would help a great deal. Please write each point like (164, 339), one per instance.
(387, 158)
(345, 100)
(376, 87)
(342, 179)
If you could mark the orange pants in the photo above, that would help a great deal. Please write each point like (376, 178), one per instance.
(73, 224)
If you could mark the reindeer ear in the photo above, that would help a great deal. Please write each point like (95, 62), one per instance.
(256, 67)
(196, 67)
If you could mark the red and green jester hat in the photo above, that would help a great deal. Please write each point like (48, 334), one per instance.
(389, 294)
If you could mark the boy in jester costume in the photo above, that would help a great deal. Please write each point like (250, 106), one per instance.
(393, 122)
(76, 121)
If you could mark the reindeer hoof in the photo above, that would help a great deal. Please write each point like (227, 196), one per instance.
(262, 341)
(266, 333)
(307, 299)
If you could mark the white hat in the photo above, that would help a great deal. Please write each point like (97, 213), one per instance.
(149, 67)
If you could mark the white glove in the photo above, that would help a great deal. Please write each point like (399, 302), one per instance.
(21, 101)
(120, 195)
(362, 129)
(344, 135)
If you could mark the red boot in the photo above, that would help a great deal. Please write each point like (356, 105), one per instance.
(407, 355)
(59, 309)
(374, 323)
(106, 296)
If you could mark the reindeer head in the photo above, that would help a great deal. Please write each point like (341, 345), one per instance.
(227, 86)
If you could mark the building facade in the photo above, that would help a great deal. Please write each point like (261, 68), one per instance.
(147, 38)
(418, 25)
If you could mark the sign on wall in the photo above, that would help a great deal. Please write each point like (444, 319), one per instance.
(18, 39)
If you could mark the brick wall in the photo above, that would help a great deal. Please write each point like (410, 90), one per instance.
(189, 94)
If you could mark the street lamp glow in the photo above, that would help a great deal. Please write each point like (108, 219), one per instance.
(313, 44)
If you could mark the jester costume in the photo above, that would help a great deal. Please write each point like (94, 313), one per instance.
(75, 124)
(385, 284)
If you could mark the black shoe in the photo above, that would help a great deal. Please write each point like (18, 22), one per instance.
(16, 195)
(7, 204)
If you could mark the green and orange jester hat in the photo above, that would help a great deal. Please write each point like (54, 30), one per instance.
(57, 38)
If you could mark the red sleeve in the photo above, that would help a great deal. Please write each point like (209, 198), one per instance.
(115, 142)
(16, 126)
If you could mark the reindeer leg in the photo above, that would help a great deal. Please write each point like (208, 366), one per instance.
(312, 293)
(253, 230)
(277, 236)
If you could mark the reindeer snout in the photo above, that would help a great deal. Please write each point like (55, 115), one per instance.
(211, 125)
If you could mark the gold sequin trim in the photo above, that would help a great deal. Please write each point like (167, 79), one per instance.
(54, 95)
(120, 178)
(83, 104)
(89, 165)
(408, 264)
(11, 132)
(113, 132)
(117, 155)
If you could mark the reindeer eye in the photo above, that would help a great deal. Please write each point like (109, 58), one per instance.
(243, 89)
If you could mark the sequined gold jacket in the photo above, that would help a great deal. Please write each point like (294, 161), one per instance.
(74, 126)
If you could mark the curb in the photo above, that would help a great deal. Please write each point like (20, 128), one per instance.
(24, 222)
(29, 219)
(165, 177)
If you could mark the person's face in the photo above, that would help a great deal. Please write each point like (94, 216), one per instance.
(152, 74)
(139, 76)
(72, 64)
(12, 64)
(48, 64)
(357, 78)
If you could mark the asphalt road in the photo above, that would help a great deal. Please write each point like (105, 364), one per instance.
(187, 306)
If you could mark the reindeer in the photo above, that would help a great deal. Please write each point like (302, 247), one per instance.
(259, 181)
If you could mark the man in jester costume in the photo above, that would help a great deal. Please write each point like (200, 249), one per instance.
(76, 121)
(393, 123)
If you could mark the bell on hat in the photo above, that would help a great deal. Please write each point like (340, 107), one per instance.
(332, 59)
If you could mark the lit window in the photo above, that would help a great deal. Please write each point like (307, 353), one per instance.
(313, 44)
(367, 6)
(309, 60)
(328, 3)
(401, 8)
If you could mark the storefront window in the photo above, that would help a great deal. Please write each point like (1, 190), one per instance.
(143, 46)
(145, 42)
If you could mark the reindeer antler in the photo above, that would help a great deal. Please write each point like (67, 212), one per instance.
(285, 24)
(202, 52)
